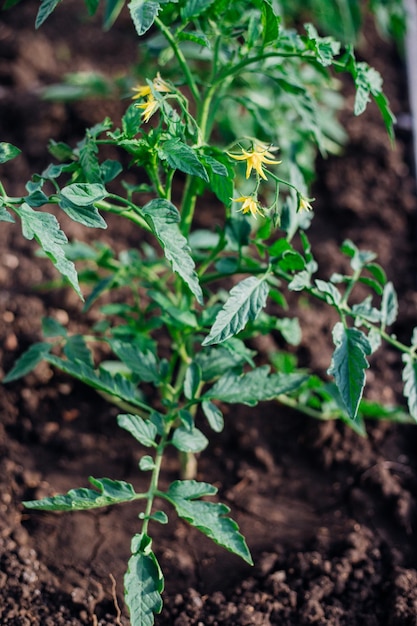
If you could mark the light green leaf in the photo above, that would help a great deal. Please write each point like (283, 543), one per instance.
(143, 583)
(331, 293)
(85, 215)
(188, 440)
(146, 463)
(8, 152)
(253, 387)
(84, 194)
(181, 157)
(192, 380)
(45, 10)
(143, 13)
(410, 383)
(290, 329)
(214, 415)
(191, 489)
(389, 305)
(348, 365)
(45, 229)
(28, 361)
(246, 300)
(210, 518)
(5, 216)
(109, 492)
(194, 8)
(144, 364)
(142, 430)
(324, 47)
(163, 217)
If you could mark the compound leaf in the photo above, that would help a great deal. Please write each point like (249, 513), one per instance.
(109, 492)
(209, 517)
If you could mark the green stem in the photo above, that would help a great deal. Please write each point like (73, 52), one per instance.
(131, 214)
(235, 69)
(180, 57)
(153, 487)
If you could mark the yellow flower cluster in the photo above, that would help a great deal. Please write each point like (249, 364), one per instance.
(255, 158)
(249, 205)
(150, 104)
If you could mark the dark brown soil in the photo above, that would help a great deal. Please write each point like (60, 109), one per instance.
(329, 516)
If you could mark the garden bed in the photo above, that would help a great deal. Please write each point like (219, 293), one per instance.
(329, 516)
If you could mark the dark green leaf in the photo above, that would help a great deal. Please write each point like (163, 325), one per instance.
(76, 349)
(143, 13)
(181, 157)
(112, 10)
(192, 380)
(45, 10)
(163, 218)
(217, 360)
(194, 8)
(144, 364)
(348, 365)
(28, 361)
(52, 328)
(245, 302)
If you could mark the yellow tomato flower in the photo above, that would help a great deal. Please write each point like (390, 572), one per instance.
(150, 106)
(304, 204)
(255, 159)
(249, 205)
(144, 91)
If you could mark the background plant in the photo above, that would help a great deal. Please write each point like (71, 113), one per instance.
(202, 139)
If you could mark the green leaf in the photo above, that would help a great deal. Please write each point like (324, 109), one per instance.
(217, 360)
(324, 47)
(144, 364)
(143, 583)
(192, 380)
(45, 10)
(142, 430)
(410, 383)
(389, 305)
(5, 216)
(188, 440)
(85, 215)
(28, 361)
(253, 387)
(52, 328)
(92, 6)
(348, 365)
(331, 293)
(246, 300)
(102, 380)
(143, 13)
(163, 218)
(181, 157)
(209, 517)
(191, 489)
(84, 194)
(270, 24)
(146, 463)
(214, 415)
(290, 329)
(76, 349)
(109, 492)
(194, 8)
(8, 152)
(45, 229)
(377, 272)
